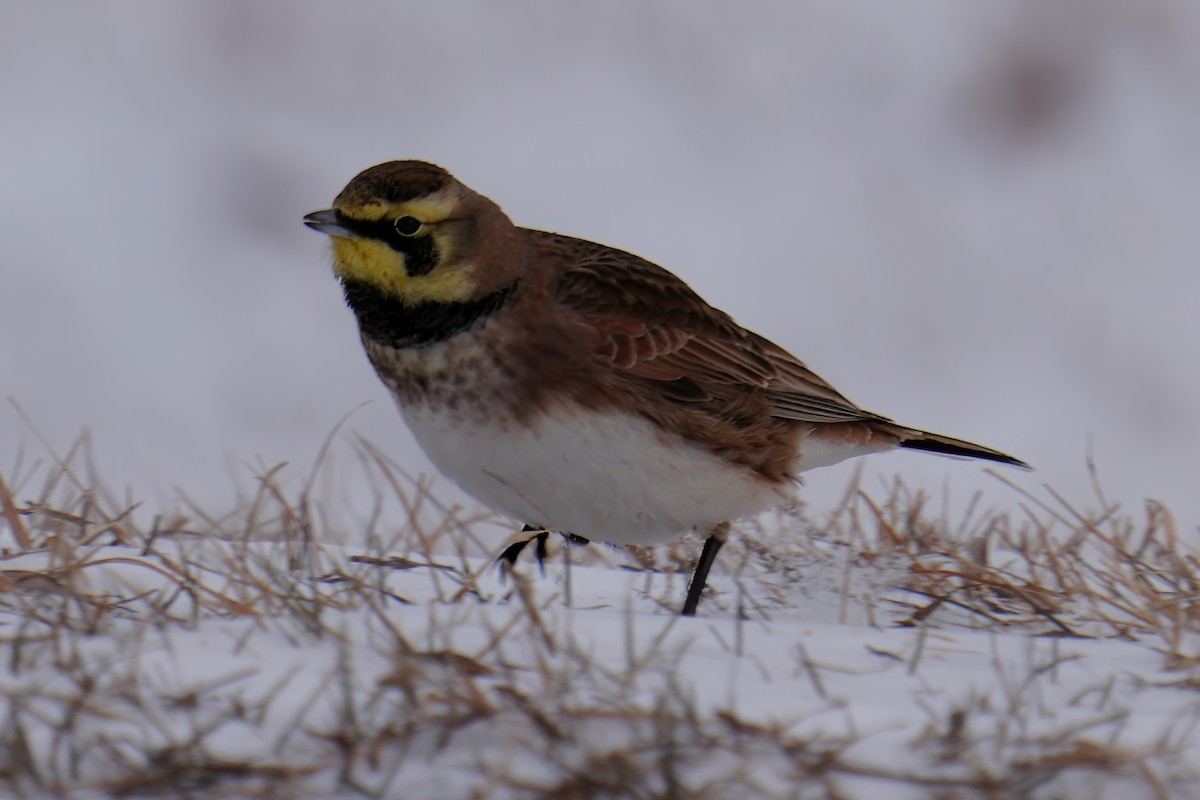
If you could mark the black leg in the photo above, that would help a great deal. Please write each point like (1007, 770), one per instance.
(700, 577)
(540, 551)
(514, 550)
(509, 556)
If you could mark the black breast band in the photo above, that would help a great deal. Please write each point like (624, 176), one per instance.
(387, 321)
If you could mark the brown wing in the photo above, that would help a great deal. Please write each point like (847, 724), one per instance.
(650, 326)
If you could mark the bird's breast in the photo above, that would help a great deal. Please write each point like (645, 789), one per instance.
(461, 376)
(605, 474)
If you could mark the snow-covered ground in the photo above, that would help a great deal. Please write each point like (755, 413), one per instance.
(874, 653)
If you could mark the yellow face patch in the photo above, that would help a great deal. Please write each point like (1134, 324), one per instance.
(375, 263)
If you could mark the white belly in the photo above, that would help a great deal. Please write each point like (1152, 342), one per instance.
(609, 477)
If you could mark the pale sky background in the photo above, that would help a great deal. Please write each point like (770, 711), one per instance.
(979, 218)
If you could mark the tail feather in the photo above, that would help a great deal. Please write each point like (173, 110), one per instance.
(949, 446)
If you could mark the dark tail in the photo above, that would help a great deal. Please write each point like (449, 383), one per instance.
(948, 446)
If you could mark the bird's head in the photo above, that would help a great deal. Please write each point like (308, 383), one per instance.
(410, 230)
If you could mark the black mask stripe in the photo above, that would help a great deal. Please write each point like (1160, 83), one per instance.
(420, 252)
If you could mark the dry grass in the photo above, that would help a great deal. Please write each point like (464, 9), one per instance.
(407, 672)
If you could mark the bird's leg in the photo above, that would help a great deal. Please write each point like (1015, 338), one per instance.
(514, 550)
(708, 555)
(540, 551)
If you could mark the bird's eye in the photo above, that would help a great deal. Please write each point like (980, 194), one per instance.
(408, 226)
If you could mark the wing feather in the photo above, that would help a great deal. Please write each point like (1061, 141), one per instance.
(649, 326)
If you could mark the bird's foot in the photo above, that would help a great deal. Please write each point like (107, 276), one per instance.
(509, 557)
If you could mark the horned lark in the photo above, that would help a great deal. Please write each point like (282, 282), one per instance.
(576, 387)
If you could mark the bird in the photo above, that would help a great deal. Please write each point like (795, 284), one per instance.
(576, 387)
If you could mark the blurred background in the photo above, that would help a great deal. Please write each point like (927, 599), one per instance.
(977, 218)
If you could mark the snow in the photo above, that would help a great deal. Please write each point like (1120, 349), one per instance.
(208, 663)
